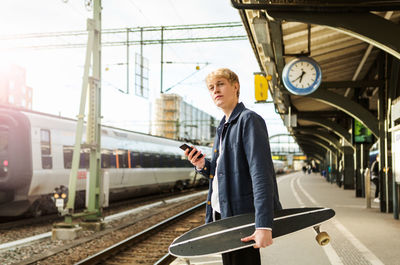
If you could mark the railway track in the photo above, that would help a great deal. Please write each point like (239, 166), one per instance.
(118, 227)
(151, 245)
(16, 222)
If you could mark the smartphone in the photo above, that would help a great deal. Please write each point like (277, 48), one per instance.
(185, 146)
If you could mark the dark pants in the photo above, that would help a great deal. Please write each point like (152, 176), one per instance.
(245, 256)
(376, 182)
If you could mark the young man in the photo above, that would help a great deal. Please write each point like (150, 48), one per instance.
(241, 172)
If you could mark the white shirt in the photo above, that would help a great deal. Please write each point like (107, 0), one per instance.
(215, 193)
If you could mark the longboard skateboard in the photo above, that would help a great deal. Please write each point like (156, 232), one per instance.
(224, 235)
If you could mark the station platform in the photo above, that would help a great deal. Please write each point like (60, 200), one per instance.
(358, 235)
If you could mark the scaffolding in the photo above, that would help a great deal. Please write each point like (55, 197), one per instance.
(177, 119)
(167, 115)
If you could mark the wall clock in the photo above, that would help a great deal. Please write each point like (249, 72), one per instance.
(302, 76)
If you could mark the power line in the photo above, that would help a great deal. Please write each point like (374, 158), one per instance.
(212, 32)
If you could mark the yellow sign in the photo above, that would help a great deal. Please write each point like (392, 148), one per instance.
(261, 87)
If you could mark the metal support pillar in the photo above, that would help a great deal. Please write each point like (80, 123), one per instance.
(393, 86)
(383, 181)
(357, 170)
(127, 61)
(93, 54)
(348, 168)
(162, 60)
(94, 124)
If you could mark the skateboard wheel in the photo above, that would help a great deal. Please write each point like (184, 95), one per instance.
(323, 238)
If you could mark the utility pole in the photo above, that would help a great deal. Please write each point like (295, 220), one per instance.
(93, 213)
(162, 59)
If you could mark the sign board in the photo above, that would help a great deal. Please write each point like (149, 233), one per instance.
(261, 87)
(396, 109)
(361, 133)
(290, 159)
(396, 155)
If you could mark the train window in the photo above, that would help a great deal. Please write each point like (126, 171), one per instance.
(135, 159)
(123, 158)
(148, 160)
(184, 162)
(3, 139)
(171, 161)
(156, 160)
(85, 158)
(163, 161)
(45, 144)
(177, 161)
(68, 152)
(107, 159)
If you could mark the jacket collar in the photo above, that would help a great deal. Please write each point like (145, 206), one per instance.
(235, 113)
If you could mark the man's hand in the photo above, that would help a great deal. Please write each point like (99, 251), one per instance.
(194, 159)
(262, 237)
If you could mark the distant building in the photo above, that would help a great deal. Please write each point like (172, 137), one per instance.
(177, 119)
(13, 88)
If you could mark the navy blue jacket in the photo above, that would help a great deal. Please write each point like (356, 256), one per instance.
(246, 176)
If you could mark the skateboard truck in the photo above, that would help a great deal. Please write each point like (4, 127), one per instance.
(322, 237)
(187, 261)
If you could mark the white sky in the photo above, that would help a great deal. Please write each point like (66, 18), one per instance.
(56, 75)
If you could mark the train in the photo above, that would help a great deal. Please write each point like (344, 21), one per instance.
(279, 166)
(36, 157)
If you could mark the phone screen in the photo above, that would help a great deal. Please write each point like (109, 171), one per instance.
(185, 146)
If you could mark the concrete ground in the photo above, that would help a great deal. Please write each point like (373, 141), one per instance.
(358, 235)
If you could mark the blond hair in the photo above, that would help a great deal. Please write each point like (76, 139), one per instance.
(224, 73)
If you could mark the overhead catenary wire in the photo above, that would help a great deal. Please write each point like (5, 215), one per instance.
(211, 32)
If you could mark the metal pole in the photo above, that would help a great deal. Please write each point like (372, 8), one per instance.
(162, 59)
(127, 61)
(79, 128)
(93, 137)
(386, 166)
(141, 61)
(395, 186)
(362, 171)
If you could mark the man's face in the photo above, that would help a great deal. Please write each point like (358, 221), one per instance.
(223, 93)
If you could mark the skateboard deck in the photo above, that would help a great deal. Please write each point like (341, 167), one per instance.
(224, 235)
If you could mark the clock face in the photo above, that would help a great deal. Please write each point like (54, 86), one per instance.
(302, 76)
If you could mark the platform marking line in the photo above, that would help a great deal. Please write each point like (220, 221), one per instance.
(305, 192)
(296, 195)
(374, 260)
(279, 179)
(368, 255)
(149, 206)
(330, 252)
(24, 241)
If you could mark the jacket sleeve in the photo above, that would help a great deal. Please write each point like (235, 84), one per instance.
(258, 154)
(205, 171)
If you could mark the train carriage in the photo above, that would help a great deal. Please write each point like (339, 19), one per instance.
(36, 153)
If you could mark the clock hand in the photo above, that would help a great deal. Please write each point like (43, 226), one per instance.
(302, 74)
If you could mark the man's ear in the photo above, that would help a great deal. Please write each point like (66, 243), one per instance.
(237, 86)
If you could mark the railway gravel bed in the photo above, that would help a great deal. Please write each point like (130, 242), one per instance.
(89, 242)
(136, 251)
(33, 226)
